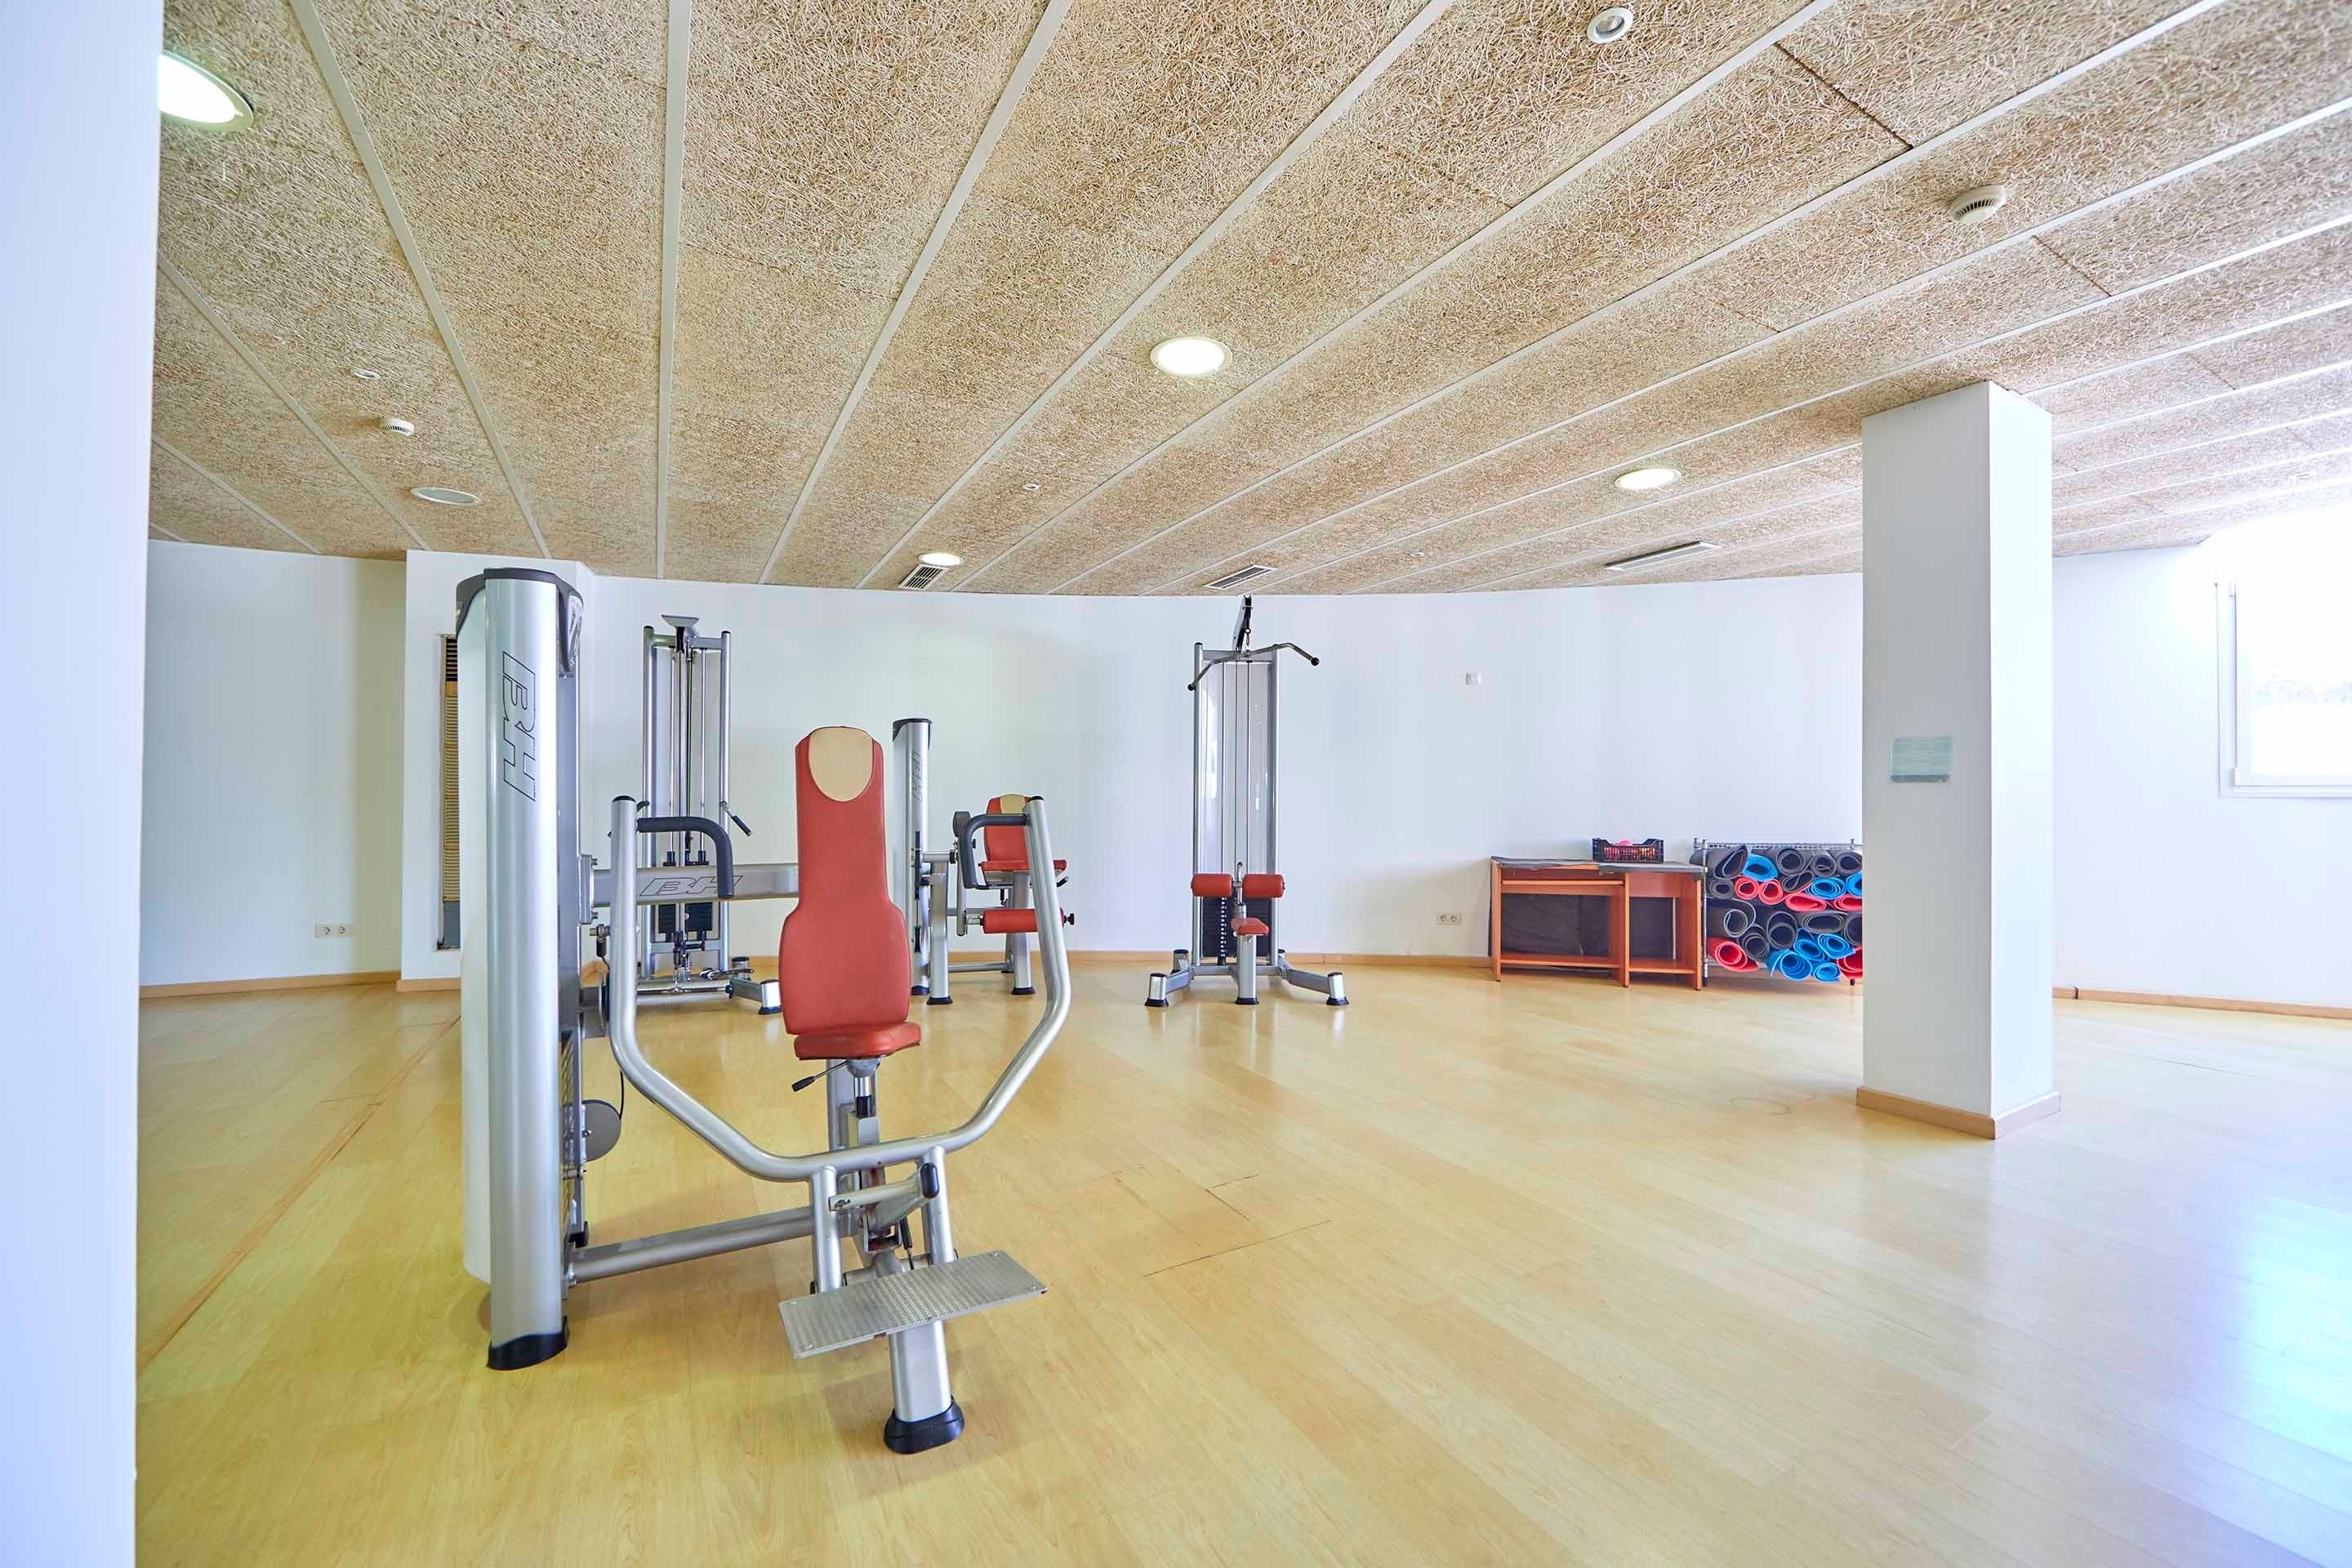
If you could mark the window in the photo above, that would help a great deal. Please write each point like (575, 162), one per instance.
(2286, 685)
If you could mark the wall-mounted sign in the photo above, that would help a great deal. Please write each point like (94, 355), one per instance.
(1922, 759)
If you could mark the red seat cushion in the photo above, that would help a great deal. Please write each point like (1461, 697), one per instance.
(1212, 885)
(857, 1044)
(1020, 864)
(1246, 926)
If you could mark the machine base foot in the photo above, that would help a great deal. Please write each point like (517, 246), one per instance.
(1149, 1003)
(940, 1002)
(529, 1350)
(770, 1012)
(1334, 1001)
(1244, 1001)
(918, 991)
(1024, 991)
(930, 1432)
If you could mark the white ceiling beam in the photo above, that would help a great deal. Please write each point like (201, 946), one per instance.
(680, 44)
(230, 490)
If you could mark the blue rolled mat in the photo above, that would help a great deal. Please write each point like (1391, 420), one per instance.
(1833, 945)
(1789, 966)
(1828, 887)
(1807, 947)
(1827, 972)
(1853, 885)
(1757, 867)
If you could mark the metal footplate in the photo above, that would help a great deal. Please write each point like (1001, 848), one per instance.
(888, 1303)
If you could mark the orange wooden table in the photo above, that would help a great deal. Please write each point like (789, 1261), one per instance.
(1621, 885)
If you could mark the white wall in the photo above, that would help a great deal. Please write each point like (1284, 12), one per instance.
(273, 701)
(77, 204)
(2139, 809)
(1614, 712)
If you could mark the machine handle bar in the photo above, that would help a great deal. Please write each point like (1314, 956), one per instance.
(719, 845)
(730, 1140)
(1210, 661)
(966, 826)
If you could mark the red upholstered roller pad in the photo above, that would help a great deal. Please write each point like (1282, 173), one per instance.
(1212, 885)
(1246, 926)
(997, 922)
(1060, 864)
(1261, 885)
(842, 966)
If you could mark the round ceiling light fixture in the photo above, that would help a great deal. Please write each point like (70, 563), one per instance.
(1608, 26)
(1190, 357)
(186, 90)
(1977, 202)
(441, 496)
(941, 558)
(1637, 480)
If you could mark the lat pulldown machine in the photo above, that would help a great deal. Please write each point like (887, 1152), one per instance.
(1235, 884)
(529, 1008)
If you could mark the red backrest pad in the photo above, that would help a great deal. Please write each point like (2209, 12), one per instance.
(1006, 843)
(843, 962)
(1261, 885)
(1212, 885)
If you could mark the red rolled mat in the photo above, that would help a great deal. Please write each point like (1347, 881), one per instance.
(1851, 904)
(1745, 887)
(1769, 893)
(1851, 964)
(1726, 953)
(1804, 903)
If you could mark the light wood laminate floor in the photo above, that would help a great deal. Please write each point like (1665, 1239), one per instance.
(1545, 1272)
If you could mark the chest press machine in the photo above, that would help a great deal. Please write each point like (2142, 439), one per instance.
(934, 885)
(529, 1008)
(1235, 887)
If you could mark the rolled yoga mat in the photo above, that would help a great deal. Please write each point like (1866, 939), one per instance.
(1789, 966)
(1853, 885)
(1720, 888)
(1827, 972)
(1769, 894)
(1854, 930)
(1831, 944)
(1792, 863)
(1745, 887)
(1849, 863)
(1807, 947)
(1727, 920)
(1851, 964)
(1753, 943)
(1728, 953)
(1804, 903)
(1827, 889)
(1823, 864)
(1760, 867)
(1782, 930)
(1826, 920)
(1727, 860)
(1851, 903)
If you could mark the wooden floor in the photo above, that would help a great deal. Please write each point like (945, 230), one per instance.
(1543, 1272)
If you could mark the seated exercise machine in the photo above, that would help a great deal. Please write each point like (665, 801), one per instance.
(683, 954)
(1235, 884)
(933, 883)
(529, 1008)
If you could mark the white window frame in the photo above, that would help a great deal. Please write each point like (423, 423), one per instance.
(2237, 774)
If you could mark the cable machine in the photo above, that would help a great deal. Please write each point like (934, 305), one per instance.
(1235, 888)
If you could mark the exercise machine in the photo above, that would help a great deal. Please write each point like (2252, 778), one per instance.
(935, 886)
(683, 953)
(530, 1006)
(1235, 888)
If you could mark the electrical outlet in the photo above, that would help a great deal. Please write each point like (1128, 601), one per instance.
(1453, 918)
(334, 928)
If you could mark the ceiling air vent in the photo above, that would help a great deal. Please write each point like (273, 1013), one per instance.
(922, 576)
(1235, 579)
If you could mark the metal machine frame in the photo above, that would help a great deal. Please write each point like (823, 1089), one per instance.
(683, 950)
(529, 1010)
(933, 884)
(1233, 777)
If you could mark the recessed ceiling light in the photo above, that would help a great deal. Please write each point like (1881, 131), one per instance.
(1640, 479)
(363, 374)
(941, 558)
(1978, 203)
(186, 90)
(440, 495)
(1190, 356)
(1608, 26)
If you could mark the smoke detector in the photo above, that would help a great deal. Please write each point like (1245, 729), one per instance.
(1979, 202)
(391, 424)
(1608, 26)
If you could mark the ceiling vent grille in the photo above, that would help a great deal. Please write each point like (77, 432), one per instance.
(1235, 579)
(922, 576)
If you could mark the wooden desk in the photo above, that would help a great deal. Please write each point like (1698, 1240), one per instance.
(1621, 885)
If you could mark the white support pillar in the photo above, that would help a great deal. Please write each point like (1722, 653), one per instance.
(1956, 655)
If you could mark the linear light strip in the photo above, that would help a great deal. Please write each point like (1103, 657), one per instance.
(1501, 224)
(1796, 214)
(1930, 275)
(231, 491)
(673, 90)
(1017, 86)
(331, 72)
(1332, 114)
(213, 318)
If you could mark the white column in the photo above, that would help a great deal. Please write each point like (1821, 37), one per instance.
(1956, 648)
